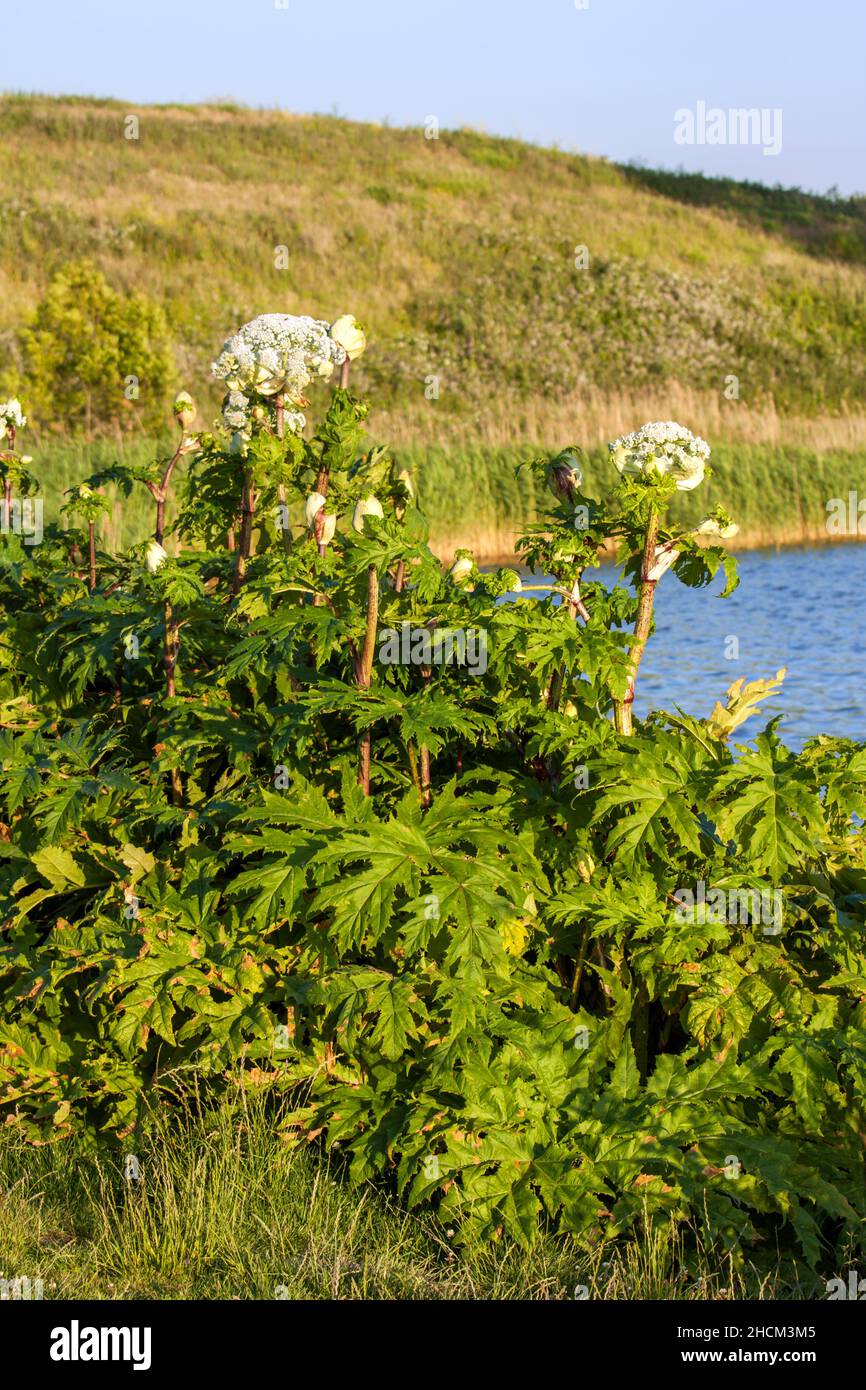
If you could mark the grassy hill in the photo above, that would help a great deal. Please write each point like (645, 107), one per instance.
(459, 255)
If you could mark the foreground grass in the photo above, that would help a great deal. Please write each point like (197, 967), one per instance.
(223, 1209)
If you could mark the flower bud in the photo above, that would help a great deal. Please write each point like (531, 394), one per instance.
(585, 868)
(623, 458)
(155, 556)
(184, 409)
(348, 333)
(368, 506)
(461, 569)
(313, 505)
(267, 383)
(564, 477)
(405, 481)
(713, 527)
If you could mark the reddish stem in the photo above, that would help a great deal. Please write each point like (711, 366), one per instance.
(159, 491)
(92, 533)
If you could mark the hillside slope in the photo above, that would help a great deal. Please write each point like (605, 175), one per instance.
(459, 255)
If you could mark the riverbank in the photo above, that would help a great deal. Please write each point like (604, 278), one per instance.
(779, 496)
(479, 497)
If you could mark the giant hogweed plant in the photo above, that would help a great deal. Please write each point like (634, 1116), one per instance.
(444, 906)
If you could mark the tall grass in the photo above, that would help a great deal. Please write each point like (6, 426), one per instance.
(479, 497)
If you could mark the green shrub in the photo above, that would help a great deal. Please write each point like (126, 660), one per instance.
(97, 359)
(454, 912)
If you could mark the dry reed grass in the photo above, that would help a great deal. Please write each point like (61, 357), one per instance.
(592, 417)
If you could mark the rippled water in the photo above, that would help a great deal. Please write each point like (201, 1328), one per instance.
(802, 608)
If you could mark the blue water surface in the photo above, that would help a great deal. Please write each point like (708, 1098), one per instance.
(800, 607)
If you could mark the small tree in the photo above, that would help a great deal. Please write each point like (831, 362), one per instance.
(97, 359)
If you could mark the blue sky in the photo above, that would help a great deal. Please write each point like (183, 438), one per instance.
(607, 79)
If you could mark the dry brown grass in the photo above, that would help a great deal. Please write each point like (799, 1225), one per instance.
(592, 418)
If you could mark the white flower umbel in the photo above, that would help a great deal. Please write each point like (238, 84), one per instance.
(235, 410)
(11, 416)
(663, 447)
(277, 354)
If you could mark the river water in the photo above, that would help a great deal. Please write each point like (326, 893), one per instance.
(801, 608)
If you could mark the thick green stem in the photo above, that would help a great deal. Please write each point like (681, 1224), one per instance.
(623, 718)
(171, 649)
(623, 709)
(578, 968)
(640, 1031)
(574, 605)
(281, 488)
(413, 764)
(245, 539)
(365, 671)
(159, 492)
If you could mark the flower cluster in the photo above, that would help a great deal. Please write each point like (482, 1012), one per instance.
(663, 447)
(11, 416)
(275, 354)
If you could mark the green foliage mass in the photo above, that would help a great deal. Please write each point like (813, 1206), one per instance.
(438, 907)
